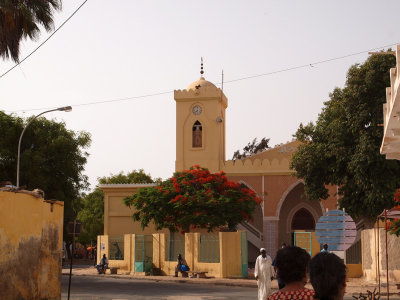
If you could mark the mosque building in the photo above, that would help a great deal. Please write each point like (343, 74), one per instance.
(200, 140)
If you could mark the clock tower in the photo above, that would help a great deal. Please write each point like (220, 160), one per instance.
(200, 125)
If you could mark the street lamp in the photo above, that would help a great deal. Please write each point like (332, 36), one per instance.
(65, 108)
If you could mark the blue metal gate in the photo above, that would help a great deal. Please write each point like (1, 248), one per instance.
(143, 253)
(244, 254)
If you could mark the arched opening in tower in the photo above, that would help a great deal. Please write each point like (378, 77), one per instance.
(197, 138)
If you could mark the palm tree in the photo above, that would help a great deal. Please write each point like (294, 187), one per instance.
(20, 19)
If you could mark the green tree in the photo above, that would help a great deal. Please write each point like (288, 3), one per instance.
(252, 148)
(91, 211)
(20, 19)
(138, 176)
(194, 198)
(91, 215)
(342, 148)
(52, 159)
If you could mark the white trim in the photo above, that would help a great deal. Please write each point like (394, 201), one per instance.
(284, 195)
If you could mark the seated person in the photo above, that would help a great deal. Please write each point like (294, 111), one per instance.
(328, 276)
(103, 265)
(291, 265)
(181, 266)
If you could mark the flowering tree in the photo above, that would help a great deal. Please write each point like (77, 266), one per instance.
(394, 225)
(194, 199)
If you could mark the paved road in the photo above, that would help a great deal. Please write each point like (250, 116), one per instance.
(103, 288)
(106, 288)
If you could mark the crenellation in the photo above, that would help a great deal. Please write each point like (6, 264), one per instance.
(258, 165)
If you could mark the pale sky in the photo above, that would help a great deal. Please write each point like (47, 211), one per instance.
(120, 49)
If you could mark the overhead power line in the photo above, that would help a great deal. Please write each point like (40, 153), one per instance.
(310, 64)
(37, 48)
(229, 81)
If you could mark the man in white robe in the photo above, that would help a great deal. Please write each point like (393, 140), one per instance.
(263, 273)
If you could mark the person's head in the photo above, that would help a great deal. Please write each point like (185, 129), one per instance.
(104, 256)
(325, 246)
(263, 252)
(283, 245)
(179, 256)
(328, 276)
(291, 263)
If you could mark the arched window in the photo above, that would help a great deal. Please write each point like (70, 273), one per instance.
(197, 137)
(303, 220)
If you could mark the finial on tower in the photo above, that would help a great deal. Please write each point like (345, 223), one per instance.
(202, 69)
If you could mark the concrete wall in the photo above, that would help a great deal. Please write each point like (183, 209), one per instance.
(30, 246)
(125, 265)
(371, 251)
(230, 253)
(230, 264)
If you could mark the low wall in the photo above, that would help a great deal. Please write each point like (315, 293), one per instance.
(30, 246)
(125, 265)
(354, 270)
(230, 264)
(374, 254)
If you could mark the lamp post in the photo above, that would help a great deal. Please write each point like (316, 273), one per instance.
(65, 108)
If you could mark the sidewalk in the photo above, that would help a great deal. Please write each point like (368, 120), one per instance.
(355, 286)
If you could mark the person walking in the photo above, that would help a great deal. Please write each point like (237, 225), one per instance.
(263, 272)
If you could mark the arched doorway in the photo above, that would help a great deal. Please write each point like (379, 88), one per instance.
(303, 224)
(297, 213)
(303, 220)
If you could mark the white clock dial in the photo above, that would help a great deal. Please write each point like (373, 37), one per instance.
(197, 110)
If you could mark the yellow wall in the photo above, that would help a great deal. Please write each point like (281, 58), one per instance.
(126, 264)
(30, 231)
(117, 216)
(230, 255)
(315, 245)
(213, 103)
(354, 270)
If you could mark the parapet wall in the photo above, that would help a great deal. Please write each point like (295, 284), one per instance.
(265, 165)
(30, 246)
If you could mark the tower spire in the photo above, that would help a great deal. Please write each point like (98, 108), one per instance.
(201, 68)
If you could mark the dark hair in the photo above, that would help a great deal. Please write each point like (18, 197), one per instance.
(325, 246)
(327, 273)
(291, 263)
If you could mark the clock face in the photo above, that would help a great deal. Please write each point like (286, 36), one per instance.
(197, 110)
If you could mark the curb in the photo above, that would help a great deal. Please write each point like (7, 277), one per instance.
(127, 277)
